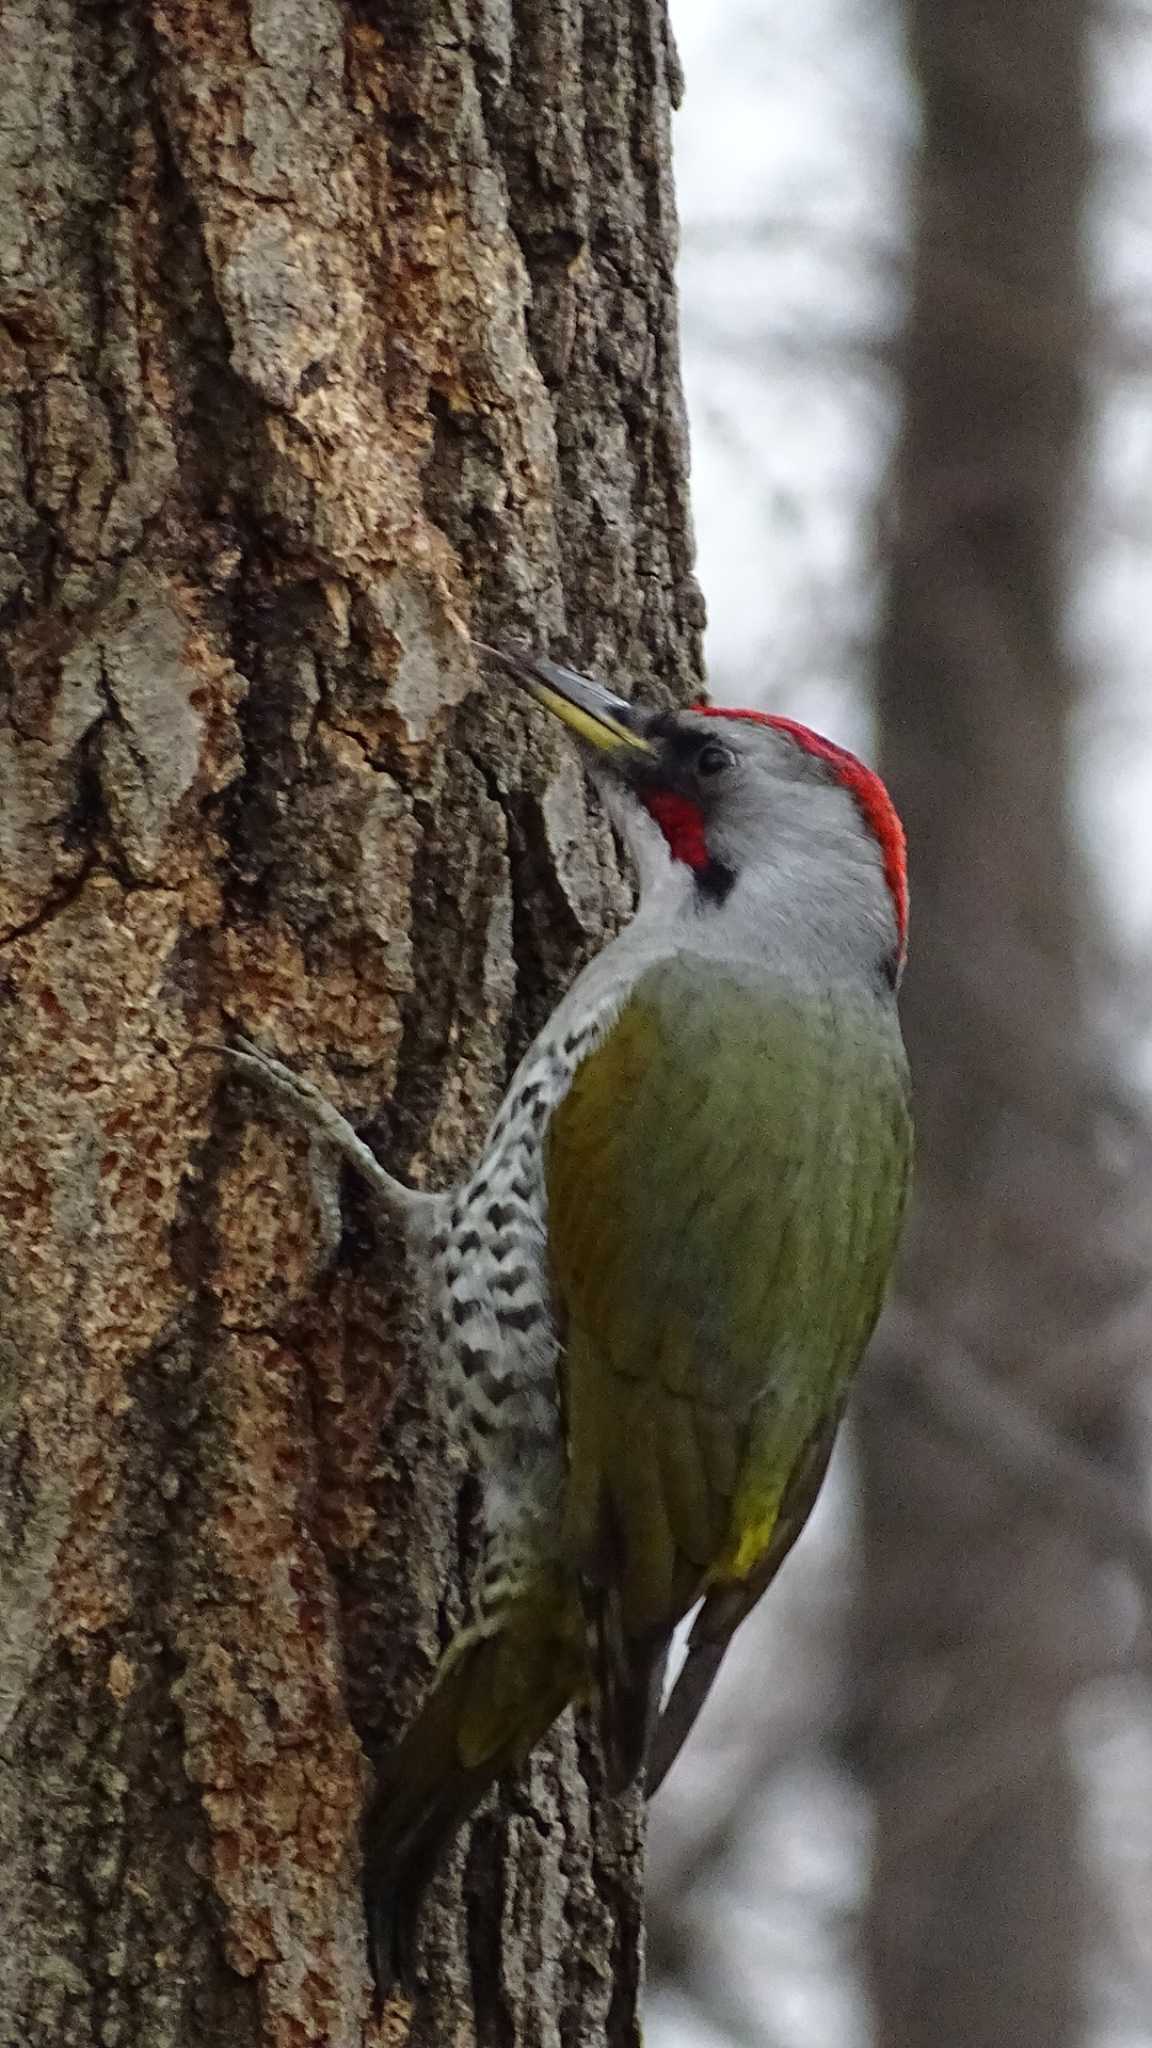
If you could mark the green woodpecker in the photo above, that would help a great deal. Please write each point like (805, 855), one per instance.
(649, 1297)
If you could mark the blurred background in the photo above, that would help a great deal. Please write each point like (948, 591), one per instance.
(917, 309)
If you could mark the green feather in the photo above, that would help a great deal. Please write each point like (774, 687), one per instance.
(726, 1179)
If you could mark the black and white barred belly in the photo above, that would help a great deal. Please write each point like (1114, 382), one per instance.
(493, 1314)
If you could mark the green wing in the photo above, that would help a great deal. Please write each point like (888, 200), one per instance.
(726, 1606)
(725, 1180)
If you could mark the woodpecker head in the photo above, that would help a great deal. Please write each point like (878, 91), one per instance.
(739, 815)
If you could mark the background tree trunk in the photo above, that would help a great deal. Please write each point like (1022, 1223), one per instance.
(977, 1624)
(326, 326)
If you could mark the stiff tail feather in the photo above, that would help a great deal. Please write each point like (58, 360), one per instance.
(498, 1691)
(629, 1680)
(720, 1616)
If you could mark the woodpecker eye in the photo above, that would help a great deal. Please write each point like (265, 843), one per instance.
(713, 759)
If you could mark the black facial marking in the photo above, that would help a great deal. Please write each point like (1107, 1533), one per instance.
(681, 745)
(715, 881)
(666, 728)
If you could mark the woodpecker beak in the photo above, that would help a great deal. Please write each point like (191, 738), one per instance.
(608, 723)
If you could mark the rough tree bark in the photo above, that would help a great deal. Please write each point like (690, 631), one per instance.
(976, 1626)
(326, 325)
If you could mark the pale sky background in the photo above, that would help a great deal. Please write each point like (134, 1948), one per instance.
(791, 147)
(794, 130)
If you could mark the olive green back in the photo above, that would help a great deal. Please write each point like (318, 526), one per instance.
(726, 1179)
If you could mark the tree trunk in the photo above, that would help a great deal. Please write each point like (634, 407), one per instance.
(326, 327)
(977, 1625)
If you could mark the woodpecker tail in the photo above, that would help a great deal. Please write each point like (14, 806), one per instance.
(629, 1680)
(499, 1689)
(720, 1616)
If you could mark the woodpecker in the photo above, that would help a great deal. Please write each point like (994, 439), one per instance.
(648, 1299)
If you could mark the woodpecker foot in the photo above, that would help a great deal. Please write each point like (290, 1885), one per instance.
(321, 1118)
